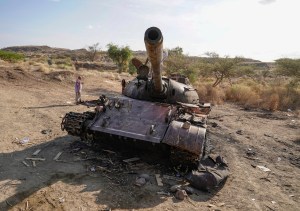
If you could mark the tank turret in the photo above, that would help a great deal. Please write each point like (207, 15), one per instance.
(151, 85)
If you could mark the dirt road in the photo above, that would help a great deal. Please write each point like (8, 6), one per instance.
(32, 106)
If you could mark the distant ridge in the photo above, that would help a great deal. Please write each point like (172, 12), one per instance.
(44, 49)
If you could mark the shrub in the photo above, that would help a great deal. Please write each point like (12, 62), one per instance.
(11, 56)
(208, 93)
(271, 95)
(243, 94)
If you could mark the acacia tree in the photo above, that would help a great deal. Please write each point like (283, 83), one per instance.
(221, 68)
(92, 51)
(179, 63)
(290, 68)
(120, 55)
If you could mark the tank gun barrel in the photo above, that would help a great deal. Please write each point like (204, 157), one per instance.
(154, 46)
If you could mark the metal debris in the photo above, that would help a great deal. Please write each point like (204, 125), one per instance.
(26, 164)
(57, 156)
(103, 169)
(109, 151)
(36, 152)
(172, 178)
(36, 159)
(131, 160)
(9, 204)
(163, 193)
(158, 180)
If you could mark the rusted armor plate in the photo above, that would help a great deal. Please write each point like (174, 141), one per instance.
(186, 137)
(134, 119)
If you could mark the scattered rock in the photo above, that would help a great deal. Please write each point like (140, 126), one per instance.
(46, 131)
(221, 204)
(213, 124)
(250, 152)
(140, 181)
(263, 168)
(267, 135)
(175, 188)
(145, 176)
(24, 140)
(61, 200)
(211, 205)
(240, 132)
(181, 194)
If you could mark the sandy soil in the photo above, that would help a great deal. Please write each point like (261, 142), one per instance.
(32, 102)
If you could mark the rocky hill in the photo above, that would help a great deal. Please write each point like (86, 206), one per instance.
(46, 50)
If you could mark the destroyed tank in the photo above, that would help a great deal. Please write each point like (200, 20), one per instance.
(153, 111)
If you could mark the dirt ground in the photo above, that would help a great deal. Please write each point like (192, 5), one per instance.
(33, 104)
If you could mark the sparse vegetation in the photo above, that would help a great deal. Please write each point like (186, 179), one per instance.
(221, 68)
(11, 56)
(249, 83)
(131, 69)
(120, 55)
(290, 68)
(274, 95)
(179, 63)
(92, 51)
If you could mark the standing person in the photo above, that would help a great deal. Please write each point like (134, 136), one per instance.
(78, 89)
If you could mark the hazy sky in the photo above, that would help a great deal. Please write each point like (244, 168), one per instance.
(260, 29)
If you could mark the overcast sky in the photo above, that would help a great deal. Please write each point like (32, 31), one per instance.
(259, 29)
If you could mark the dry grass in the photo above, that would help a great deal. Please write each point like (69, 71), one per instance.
(271, 95)
(207, 93)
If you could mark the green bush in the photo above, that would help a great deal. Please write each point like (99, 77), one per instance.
(11, 56)
(131, 69)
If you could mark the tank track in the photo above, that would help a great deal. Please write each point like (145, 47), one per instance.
(74, 123)
(183, 158)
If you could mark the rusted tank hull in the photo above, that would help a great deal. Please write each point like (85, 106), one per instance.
(140, 120)
(190, 139)
(144, 121)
